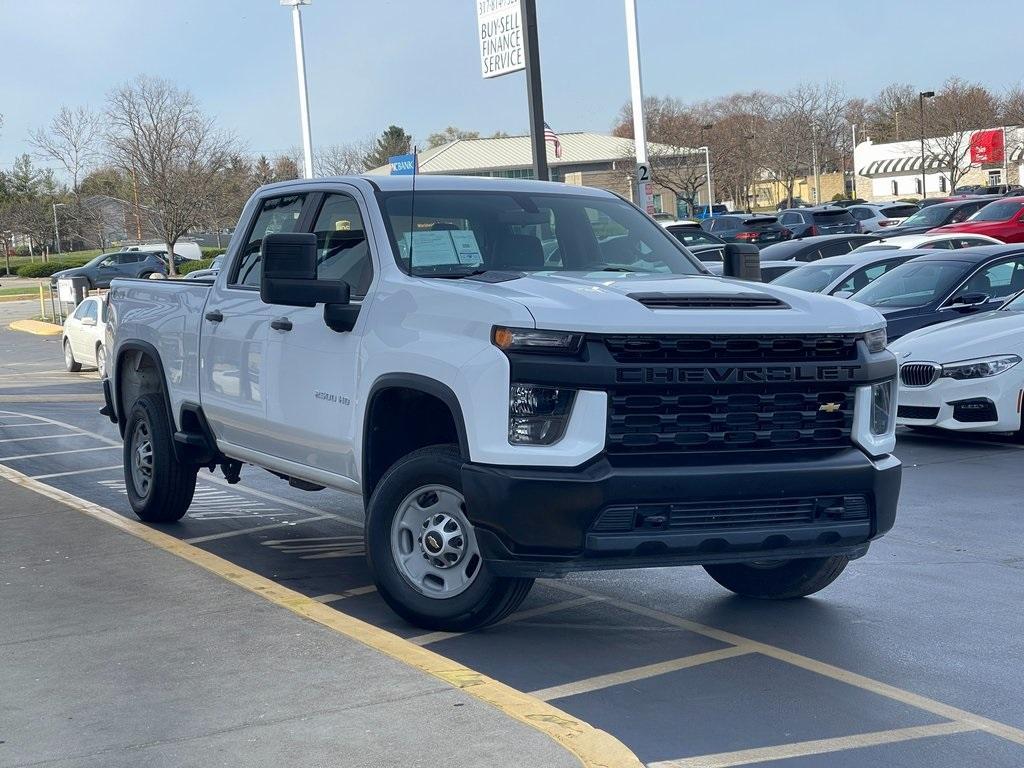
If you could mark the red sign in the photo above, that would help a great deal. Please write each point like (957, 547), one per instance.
(987, 147)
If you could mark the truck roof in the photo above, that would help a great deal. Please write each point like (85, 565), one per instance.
(445, 183)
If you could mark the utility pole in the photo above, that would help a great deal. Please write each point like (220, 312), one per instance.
(642, 186)
(56, 229)
(853, 159)
(300, 68)
(534, 92)
(814, 164)
(920, 105)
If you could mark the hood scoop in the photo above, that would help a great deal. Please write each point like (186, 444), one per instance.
(745, 300)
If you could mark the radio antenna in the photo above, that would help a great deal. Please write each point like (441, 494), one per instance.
(412, 205)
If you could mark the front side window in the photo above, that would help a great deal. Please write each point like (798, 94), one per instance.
(343, 252)
(458, 233)
(866, 275)
(997, 281)
(277, 214)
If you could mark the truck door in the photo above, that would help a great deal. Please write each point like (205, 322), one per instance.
(314, 367)
(234, 374)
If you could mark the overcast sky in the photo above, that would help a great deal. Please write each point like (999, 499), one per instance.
(415, 62)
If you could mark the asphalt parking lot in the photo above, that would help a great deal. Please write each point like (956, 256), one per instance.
(912, 658)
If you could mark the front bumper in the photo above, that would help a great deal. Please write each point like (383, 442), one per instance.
(548, 522)
(936, 404)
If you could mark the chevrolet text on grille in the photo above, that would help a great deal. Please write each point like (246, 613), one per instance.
(734, 375)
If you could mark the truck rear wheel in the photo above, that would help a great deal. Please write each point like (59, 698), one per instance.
(422, 549)
(778, 579)
(159, 486)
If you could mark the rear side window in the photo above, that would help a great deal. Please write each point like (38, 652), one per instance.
(899, 211)
(836, 248)
(342, 250)
(841, 216)
(277, 214)
(861, 214)
(85, 309)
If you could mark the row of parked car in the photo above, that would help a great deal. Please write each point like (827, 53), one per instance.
(952, 293)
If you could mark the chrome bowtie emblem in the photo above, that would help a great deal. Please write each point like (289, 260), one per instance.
(829, 407)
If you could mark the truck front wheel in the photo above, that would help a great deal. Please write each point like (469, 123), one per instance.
(778, 579)
(423, 552)
(160, 487)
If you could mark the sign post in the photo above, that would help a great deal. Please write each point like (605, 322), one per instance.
(508, 43)
(642, 194)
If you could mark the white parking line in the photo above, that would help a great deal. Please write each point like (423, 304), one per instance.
(256, 529)
(25, 423)
(78, 472)
(354, 592)
(598, 682)
(529, 613)
(58, 453)
(816, 747)
(40, 437)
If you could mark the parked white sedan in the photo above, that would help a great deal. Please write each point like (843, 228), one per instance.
(82, 339)
(948, 241)
(964, 375)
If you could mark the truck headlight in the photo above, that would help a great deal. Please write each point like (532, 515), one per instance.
(538, 415)
(876, 339)
(881, 407)
(532, 340)
(979, 369)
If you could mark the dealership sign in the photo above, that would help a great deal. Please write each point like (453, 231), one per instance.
(499, 26)
(987, 147)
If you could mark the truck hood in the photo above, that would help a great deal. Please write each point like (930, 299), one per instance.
(602, 302)
(994, 333)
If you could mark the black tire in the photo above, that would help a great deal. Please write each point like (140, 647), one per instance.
(783, 580)
(168, 494)
(487, 599)
(70, 364)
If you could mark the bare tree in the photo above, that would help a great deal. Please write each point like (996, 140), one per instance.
(342, 159)
(159, 134)
(893, 115)
(449, 134)
(956, 111)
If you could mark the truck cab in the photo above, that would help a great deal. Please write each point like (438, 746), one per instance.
(521, 379)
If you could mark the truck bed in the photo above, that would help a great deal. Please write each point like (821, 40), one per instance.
(167, 315)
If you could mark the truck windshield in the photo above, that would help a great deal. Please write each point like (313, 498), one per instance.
(453, 234)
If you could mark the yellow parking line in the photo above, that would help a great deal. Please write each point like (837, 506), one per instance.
(598, 682)
(947, 711)
(594, 748)
(816, 747)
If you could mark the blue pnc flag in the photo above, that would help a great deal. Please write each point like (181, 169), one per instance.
(403, 165)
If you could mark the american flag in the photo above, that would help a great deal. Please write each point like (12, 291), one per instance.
(550, 135)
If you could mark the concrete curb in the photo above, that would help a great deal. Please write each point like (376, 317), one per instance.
(36, 327)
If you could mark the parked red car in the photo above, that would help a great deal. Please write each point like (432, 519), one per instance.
(1002, 219)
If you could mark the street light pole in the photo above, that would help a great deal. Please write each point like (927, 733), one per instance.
(56, 229)
(300, 67)
(636, 90)
(707, 171)
(920, 105)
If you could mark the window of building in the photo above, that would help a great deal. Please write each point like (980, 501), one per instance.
(917, 186)
(942, 183)
(995, 177)
(895, 187)
(657, 203)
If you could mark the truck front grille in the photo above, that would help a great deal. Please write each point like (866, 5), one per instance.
(786, 415)
(733, 349)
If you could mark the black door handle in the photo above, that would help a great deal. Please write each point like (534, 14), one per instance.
(281, 324)
(214, 315)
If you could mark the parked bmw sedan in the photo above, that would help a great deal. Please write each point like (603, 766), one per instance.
(844, 275)
(965, 375)
(940, 286)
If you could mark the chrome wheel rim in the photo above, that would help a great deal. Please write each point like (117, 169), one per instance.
(69, 359)
(101, 362)
(433, 544)
(141, 459)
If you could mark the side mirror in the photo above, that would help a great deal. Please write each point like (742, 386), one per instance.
(289, 273)
(968, 301)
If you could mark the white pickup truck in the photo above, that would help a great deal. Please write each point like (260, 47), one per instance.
(521, 379)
